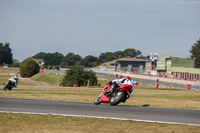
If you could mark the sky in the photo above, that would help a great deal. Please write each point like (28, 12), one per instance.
(92, 27)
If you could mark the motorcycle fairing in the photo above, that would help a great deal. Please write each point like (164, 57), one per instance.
(104, 99)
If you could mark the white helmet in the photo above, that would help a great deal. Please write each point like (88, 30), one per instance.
(16, 76)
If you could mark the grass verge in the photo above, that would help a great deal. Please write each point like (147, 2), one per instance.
(50, 78)
(4, 79)
(25, 123)
(9, 70)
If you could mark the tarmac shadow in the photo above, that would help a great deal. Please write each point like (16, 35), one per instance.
(145, 105)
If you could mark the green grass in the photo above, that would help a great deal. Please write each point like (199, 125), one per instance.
(109, 78)
(4, 79)
(25, 123)
(9, 70)
(50, 78)
(25, 83)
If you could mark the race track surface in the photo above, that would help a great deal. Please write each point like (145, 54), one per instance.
(135, 113)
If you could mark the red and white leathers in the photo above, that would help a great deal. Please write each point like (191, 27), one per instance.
(123, 83)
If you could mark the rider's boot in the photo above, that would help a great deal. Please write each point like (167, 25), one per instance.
(112, 89)
(128, 94)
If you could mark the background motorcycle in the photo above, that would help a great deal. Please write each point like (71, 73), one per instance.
(9, 85)
(118, 95)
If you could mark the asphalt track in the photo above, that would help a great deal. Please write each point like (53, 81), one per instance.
(135, 113)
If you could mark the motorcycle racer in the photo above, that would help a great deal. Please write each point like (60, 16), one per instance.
(125, 82)
(116, 91)
(14, 79)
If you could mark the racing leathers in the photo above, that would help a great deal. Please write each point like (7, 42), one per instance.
(14, 80)
(124, 82)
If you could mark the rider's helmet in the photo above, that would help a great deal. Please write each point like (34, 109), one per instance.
(127, 78)
(16, 76)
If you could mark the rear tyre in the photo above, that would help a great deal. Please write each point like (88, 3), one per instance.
(97, 101)
(10, 88)
(119, 97)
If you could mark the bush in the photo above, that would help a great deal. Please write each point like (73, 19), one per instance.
(77, 75)
(29, 67)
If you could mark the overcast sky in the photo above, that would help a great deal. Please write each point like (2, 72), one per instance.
(91, 27)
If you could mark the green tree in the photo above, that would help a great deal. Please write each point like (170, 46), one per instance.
(6, 55)
(118, 54)
(89, 61)
(50, 58)
(40, 55)
(108, 56)
(131, 52)
(1, 54)
(70, 59)
(16, 63)
(195, 53)
(77, 75)
(29, 67)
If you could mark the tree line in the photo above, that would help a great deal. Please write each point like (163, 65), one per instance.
(72, 59)
(195, 53)
(6, 56)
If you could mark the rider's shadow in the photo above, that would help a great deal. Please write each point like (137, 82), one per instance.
(145, 105)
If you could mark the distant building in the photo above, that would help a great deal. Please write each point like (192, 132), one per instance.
(150, 66)
(174, 67)
(130, 64)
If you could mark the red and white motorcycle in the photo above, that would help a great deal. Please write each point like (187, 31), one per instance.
(119, 94)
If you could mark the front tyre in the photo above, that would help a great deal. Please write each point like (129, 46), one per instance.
(5, 87)
(119, 97)
(97, 101)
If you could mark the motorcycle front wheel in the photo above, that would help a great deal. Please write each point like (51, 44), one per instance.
(119, 97)
(5, 87)
(97, 101)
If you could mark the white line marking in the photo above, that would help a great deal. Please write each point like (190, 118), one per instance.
(101, 117)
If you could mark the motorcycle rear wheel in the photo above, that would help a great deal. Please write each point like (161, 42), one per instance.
(119, 97)
(10, 88)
